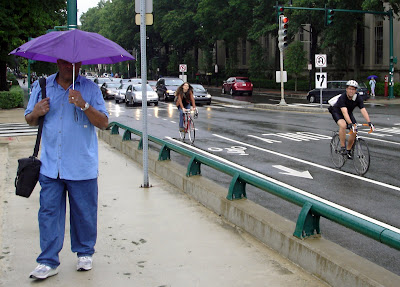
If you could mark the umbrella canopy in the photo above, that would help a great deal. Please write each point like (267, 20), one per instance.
(73, 46)
(372, 77)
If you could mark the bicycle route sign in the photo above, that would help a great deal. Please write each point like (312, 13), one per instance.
(320, 61)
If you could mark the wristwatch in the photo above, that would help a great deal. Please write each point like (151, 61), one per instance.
(85, 107)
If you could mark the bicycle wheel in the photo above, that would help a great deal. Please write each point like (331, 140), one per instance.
(361, 157)
(337, 158)
(191, 131)
(182, 135)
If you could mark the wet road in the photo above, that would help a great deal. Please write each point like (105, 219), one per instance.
(294, 148)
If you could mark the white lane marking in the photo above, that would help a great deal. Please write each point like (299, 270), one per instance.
(355, 213)
(293, 172)
(379, 140)
(314, 164)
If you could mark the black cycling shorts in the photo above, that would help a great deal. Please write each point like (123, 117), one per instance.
(337, 116)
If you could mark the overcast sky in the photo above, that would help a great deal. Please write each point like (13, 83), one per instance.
(84, 5)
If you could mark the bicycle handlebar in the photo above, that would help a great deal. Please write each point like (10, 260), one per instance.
(354, 128)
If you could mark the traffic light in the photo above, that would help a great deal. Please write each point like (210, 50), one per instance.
(282, 32)
(329, 17)
(279, 11)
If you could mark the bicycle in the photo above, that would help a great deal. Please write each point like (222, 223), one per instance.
(359, 151)
(188, 125)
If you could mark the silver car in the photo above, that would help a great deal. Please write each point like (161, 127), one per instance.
(134, 95)
(120, 96)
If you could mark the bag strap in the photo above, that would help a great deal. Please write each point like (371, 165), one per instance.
(42, 82)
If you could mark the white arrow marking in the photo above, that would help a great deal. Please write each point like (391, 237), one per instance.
(292, 172)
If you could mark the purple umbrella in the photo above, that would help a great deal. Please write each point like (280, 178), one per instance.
(372, 77)
(73, 46)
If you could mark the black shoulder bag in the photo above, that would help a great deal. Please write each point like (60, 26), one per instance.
(29, 168)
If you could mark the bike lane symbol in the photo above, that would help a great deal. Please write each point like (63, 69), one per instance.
(239, 150)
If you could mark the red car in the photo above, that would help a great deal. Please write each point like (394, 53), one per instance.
(237, 85)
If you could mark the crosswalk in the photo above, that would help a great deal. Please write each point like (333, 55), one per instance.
(17, 129)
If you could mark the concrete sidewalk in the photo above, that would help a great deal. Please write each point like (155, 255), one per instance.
(156, 236)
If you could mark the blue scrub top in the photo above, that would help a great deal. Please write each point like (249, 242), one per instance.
(69, 146)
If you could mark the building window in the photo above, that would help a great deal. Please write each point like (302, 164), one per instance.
(379, 41)
(244, 52)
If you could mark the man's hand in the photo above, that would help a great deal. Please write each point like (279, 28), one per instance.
(371, 126)
(75, 98)
(350, 126)
(41, 108)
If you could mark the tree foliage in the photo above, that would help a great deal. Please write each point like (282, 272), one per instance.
(182, 26)
(21, 19)
(295, 60)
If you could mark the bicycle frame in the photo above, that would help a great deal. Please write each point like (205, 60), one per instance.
(359, 151)
(188, 125)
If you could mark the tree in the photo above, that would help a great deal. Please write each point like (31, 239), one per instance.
(21, 19)
(295, 60)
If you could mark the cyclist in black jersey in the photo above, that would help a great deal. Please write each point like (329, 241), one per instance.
(184, 101)
(342, 114)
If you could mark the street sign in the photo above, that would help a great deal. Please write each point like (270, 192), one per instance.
(320, 61)
(182, 68)
(278, 76)
(149, 6)
(321, 80)
(148, 19)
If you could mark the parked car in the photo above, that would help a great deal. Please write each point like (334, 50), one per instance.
(109, 89)
(167, 86)
(334, 88)
(133, 95)
(201, 96)
(237, 85)
(120, 96)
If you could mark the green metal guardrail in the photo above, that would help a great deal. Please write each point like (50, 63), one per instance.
(308, 221)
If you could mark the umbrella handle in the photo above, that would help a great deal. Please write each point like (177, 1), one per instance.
(73, 76)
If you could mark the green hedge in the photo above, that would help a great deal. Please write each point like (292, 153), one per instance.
(380, 89)
(14, 98)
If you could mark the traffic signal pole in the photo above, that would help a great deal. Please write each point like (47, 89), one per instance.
(389, 13)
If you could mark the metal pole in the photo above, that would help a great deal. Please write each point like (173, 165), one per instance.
(282, 102)
(144, 92)
(391, 64)
(72, 12)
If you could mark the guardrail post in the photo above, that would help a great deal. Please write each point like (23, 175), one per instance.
(193, 167)
(126, 136)
(115, 130)
(140, 146)
(237, 188)
(164, 153)
(308, 223)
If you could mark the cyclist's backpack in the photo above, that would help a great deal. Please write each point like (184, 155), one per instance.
(333, 100)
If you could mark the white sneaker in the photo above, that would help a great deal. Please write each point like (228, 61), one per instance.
(84, 263)
(43, 271)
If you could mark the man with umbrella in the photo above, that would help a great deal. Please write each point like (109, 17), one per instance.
(372, 83)
(69, 164)
(74, 107)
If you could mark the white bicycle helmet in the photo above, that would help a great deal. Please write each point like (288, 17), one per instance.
(352, 83)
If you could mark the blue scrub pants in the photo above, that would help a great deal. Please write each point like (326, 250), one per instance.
(181, 115)
(82, 195)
